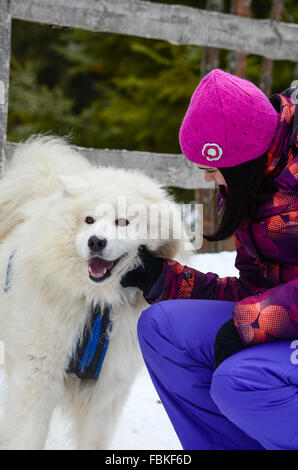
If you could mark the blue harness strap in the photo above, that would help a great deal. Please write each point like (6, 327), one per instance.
(8, 273)
(88, 356)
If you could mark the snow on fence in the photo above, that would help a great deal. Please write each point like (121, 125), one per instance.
(175, 23)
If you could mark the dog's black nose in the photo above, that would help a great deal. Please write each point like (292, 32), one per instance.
(96, 244)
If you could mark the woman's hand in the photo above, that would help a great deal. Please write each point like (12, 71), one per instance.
(145, 275)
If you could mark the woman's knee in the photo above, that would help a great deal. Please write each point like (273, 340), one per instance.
(255, 369)
(150, 321)
(191, 324)
(224, 390)
(238, 374)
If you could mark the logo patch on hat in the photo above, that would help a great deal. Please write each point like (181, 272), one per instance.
(212, 152)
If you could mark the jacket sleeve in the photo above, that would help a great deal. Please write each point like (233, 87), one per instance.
(273, 314)
(183, 282)
(268, 316)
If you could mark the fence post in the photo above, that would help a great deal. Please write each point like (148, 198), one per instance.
(210, 55)
(267, 67)
(210, 61)
(5, 34)
(237, 60)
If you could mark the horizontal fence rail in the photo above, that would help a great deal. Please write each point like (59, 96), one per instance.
(169, 169)
(175, 23)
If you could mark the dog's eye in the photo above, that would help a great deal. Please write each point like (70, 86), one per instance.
(89, 220)
(122, 222)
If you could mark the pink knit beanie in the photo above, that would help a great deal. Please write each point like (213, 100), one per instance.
(229, 121)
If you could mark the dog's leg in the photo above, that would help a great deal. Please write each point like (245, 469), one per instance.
(96, 423)
(30, 400)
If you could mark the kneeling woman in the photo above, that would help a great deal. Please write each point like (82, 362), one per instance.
(221, 355)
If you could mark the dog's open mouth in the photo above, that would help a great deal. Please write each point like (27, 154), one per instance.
(99, 268)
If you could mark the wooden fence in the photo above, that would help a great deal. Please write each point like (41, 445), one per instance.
(177, 24)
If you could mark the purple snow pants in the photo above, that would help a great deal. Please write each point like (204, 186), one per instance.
(249, 402)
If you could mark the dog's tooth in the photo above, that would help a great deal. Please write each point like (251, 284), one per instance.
(97, 275)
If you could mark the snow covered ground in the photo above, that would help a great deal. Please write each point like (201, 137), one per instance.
(144, 423)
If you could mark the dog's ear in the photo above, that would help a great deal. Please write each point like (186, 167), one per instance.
(71, 185)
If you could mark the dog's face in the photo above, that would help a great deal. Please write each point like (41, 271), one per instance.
(115, 212)
(105, 240)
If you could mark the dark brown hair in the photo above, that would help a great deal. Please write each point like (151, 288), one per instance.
(247, 187)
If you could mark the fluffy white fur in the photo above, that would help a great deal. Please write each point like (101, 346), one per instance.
(45, 196)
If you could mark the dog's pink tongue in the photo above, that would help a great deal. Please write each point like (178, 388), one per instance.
(98, 266)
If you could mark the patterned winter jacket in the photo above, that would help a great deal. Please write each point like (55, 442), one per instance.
(266, 291)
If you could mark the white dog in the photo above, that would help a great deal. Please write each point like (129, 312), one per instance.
(52, 203)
